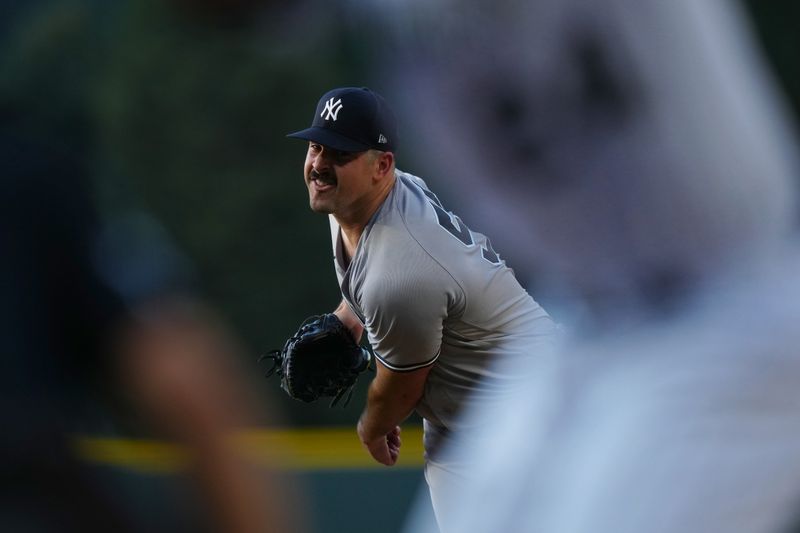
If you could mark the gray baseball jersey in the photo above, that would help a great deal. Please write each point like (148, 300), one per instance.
(430, 291)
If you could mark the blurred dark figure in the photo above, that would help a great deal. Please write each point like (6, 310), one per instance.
(638, 162)
(95, 323)
(55, 322)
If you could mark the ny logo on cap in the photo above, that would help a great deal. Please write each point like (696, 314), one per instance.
(332, 109)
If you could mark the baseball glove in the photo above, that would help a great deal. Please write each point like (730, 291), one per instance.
(321, 360)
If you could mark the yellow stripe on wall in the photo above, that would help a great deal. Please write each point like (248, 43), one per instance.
(288, 449)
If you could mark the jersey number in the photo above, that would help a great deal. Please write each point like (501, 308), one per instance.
(459, 230)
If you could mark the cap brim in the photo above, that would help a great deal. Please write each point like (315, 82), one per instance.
(330, 139)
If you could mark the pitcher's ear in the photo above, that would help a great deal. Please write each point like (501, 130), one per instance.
(385, 162)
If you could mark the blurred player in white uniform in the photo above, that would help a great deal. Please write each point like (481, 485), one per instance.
(438, 304)
(634, 155)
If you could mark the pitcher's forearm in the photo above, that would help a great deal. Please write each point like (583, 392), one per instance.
(350, 320)
(391, 398)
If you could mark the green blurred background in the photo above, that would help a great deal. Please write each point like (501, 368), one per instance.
(182, 108)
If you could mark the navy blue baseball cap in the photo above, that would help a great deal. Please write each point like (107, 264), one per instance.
(352, 119)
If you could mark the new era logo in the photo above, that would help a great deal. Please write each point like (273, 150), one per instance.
(332, 109)
(382, 139)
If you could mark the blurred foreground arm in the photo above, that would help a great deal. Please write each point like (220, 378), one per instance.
(178, 363)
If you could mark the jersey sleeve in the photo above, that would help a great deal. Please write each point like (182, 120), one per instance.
(406, 313)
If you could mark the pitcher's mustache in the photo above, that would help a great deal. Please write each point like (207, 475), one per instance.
(316, 175)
